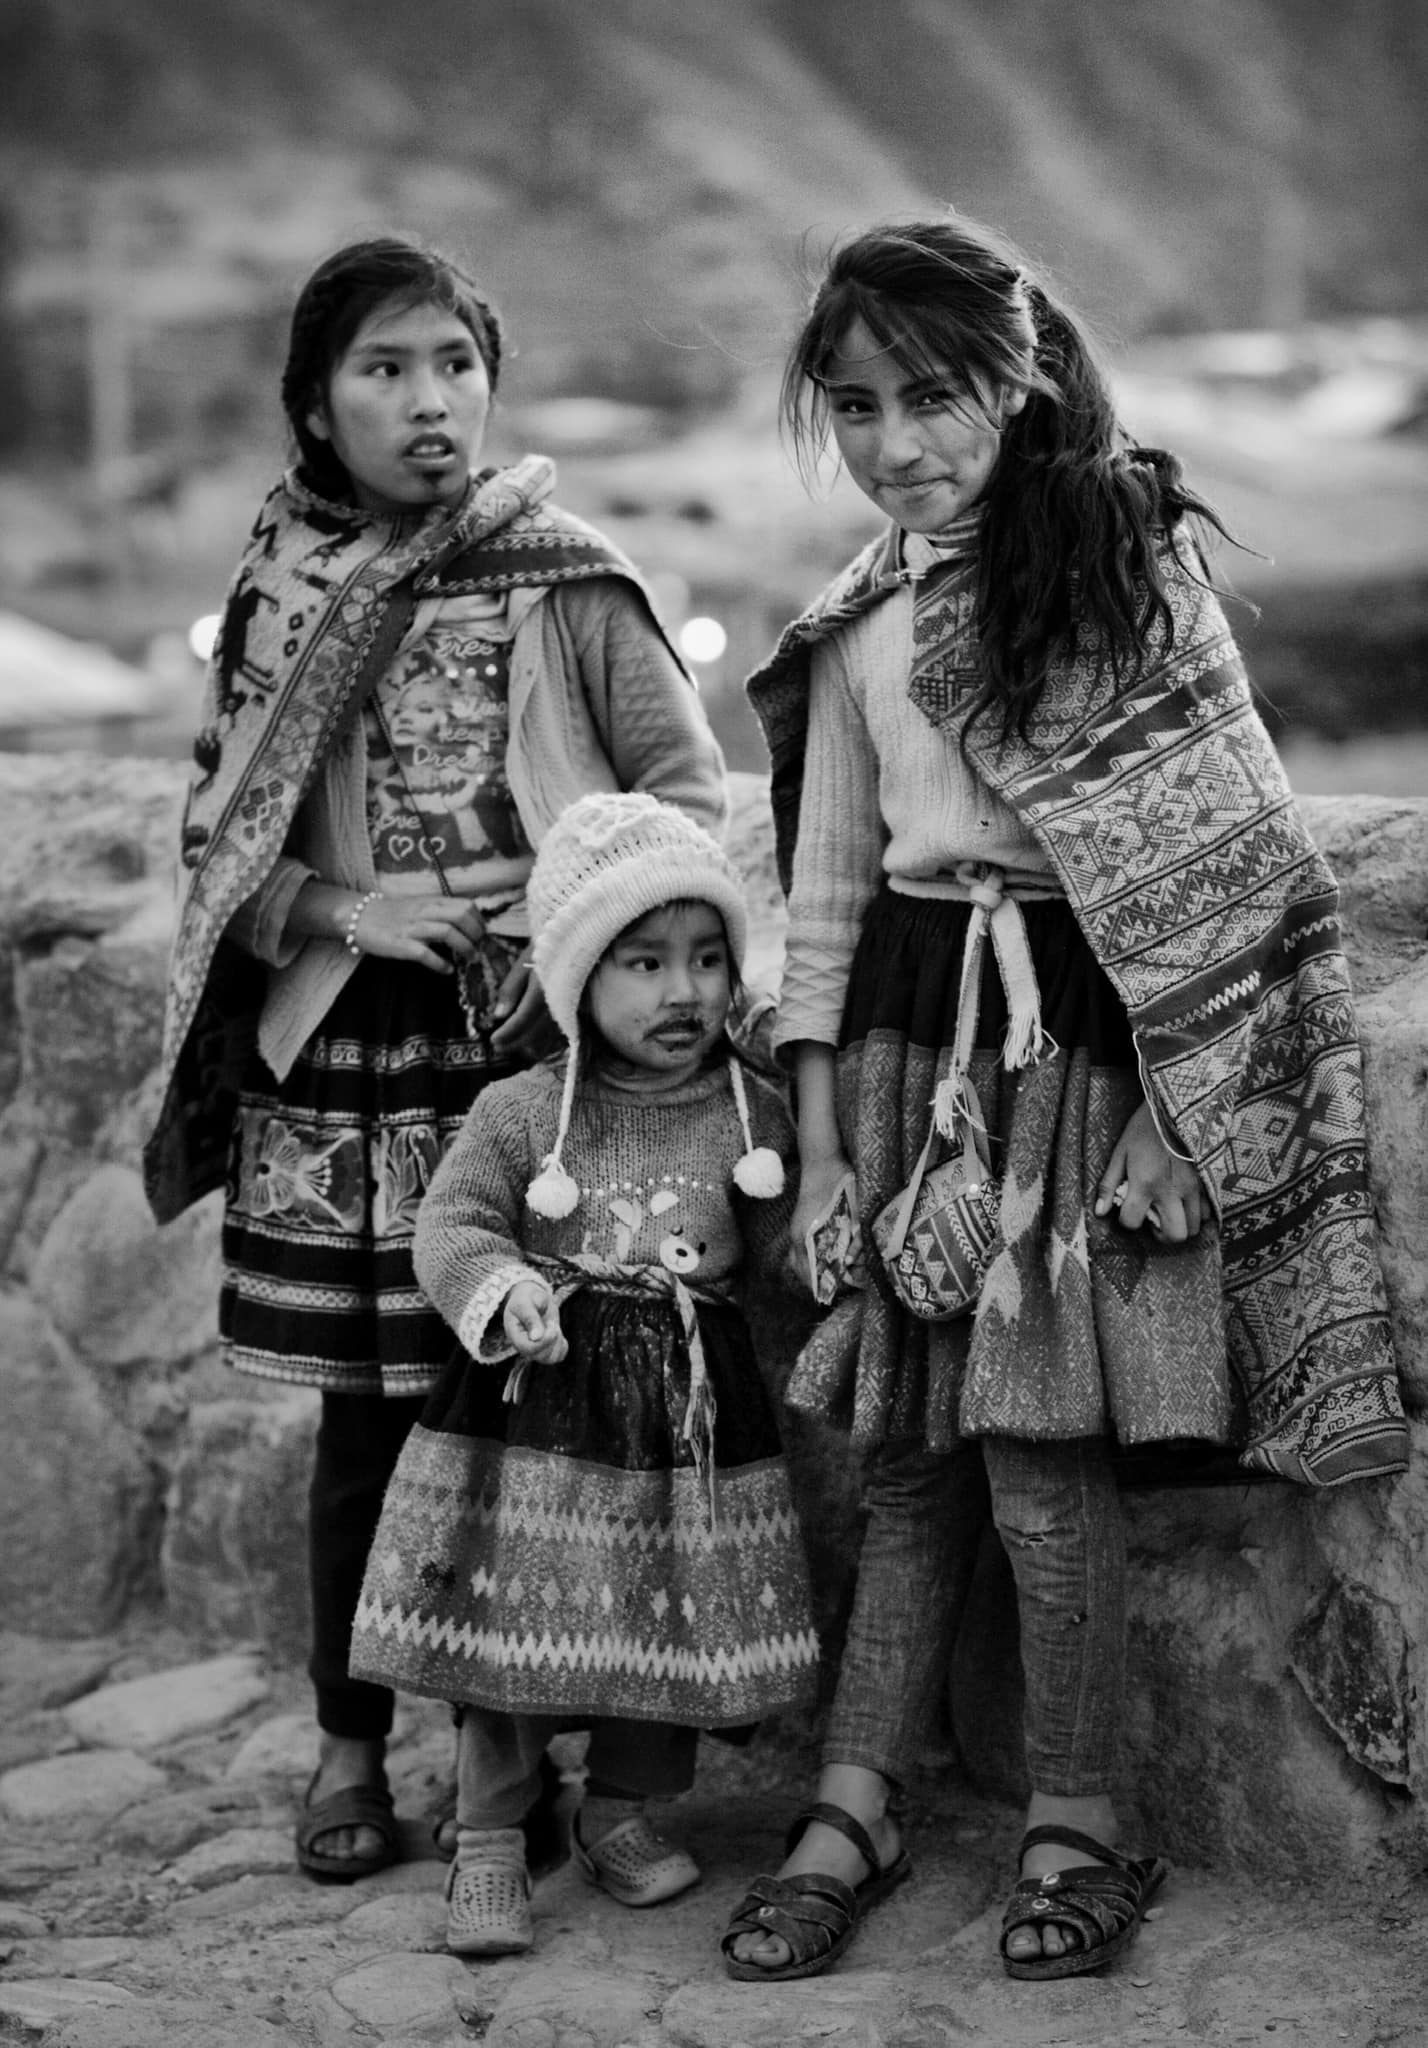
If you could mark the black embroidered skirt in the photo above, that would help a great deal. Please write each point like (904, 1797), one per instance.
(325, 1176)
(1082, 1329)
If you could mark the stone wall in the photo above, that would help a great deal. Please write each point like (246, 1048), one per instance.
(1279, 1641)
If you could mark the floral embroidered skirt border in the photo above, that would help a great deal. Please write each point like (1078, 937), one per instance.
(557, 1554)
(326, 1173)
(1082, 1328)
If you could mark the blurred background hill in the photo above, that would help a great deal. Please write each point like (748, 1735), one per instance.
(1233, 191)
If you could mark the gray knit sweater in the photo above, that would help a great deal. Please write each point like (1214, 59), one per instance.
(655, 1173)
(884, 794)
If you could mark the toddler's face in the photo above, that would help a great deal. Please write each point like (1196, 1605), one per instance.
(659, 997)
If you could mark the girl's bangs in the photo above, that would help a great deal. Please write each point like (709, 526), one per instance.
(924, 347)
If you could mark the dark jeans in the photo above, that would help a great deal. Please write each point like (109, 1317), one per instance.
(359, 1439)
(1056, 1511)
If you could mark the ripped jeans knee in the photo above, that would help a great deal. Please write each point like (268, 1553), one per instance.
(1058, 1515)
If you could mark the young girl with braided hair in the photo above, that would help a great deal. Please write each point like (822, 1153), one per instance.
(591, 1525)
(421, 663)
(1019, 714)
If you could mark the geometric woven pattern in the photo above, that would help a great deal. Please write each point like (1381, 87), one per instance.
(1166, 815)
(531, 1584)
(1080, 1328)
(312, 616)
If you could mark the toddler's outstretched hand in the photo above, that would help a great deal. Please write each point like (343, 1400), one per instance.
(532, 1323)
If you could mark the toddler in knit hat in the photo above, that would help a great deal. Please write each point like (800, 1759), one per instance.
(599, 1531)
(618, 865)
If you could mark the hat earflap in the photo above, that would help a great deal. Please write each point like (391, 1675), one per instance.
(554, 1192)
(760, 1171)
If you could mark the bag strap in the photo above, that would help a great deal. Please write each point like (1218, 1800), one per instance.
(974, 1162)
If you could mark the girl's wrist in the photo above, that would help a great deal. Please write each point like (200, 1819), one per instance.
(812, 1157)
(354, 918)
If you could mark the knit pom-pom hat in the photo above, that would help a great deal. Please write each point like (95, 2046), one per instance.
(608, 861)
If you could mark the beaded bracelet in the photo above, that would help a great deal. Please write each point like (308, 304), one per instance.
(349, 935)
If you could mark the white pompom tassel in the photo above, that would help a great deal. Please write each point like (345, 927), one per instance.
(553, 1192)
(759, 1172)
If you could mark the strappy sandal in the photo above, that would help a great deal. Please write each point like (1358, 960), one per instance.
(355, 1806)
(1102, 1902)
(547, 1845)
(488, 1897)
(817, 1916)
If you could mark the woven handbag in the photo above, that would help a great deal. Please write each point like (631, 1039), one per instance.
(935, 1238)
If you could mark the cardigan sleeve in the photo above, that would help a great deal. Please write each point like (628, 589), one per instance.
(258, 924)
(837, 864)
(648, 711)
(466, 1250)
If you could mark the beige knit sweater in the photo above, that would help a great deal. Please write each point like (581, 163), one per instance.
(885, 794)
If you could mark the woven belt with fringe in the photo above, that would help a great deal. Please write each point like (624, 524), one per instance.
(586, 1270)
(996, 914)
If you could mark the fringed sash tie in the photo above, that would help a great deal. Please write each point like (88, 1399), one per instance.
(996, 914)
(608, 1276)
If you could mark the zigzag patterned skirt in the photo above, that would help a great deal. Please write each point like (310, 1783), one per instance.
(558, 1555)
(1082, 1328)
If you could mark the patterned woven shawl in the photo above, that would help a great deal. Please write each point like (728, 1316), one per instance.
(314, 613)
(1168, 819)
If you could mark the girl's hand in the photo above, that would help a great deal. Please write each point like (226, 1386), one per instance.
(1160, 1188)
(531, 1322)
(524, 1026)
(413, 927)
(818, 1182)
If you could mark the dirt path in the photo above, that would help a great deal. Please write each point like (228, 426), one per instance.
(148, 1900)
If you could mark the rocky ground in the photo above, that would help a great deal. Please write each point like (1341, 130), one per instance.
(148, 1898)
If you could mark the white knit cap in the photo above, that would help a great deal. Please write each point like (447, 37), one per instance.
(608, 861)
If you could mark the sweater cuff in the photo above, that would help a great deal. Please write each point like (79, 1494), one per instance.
(811, 1000)
(490, 1347)
(259, 924)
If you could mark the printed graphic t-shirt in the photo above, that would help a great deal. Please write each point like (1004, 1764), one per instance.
(436, 729)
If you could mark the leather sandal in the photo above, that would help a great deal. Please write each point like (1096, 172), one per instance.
(816, 1916)
(1102, 1902)
(355, 1806)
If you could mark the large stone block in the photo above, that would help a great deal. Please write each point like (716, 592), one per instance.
(79, 1500)
(1394, 1025)
(90, 1018)
(1378, 849)
(235, 1538)
(121, 1289)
